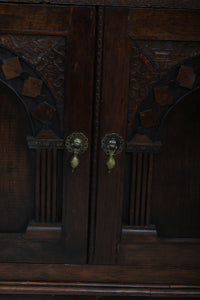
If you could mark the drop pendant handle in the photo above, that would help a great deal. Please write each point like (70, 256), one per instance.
(112, 144)
(77, 143)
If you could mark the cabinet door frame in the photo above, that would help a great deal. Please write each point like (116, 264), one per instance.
(136, 244)
(65, 242)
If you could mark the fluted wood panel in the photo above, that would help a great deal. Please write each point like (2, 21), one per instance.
(46, 186)
(140, 188)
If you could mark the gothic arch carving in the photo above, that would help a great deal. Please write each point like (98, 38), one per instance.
(182, 80)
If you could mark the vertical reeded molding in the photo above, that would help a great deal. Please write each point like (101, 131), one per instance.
(48, 187)
(96, 128)
(43, 184)
(54, 186)
(149, 187)
(37, 185)
(46, 176)
(141, 187)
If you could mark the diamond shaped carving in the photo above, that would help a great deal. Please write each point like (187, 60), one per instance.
(164, 96)
(186, 77)
(43, 112)
(32, 87)
(11, 68)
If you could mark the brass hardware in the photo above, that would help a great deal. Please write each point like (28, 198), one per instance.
(112, 144)
(77, 143)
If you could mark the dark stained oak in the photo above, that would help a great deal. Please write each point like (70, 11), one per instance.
(41, 199)
(78, 118)
(99, 67)
(162, 24)
(31, 18)
(113, 119)
(176, 189)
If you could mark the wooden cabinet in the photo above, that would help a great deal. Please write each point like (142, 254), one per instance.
(131, 69)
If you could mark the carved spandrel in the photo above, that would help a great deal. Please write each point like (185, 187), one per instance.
(31, 48)
(150, 62)
(47, 54)
(32, 90)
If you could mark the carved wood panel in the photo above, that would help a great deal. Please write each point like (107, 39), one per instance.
(39, 66)
(48, 186)
(155, 75)
(47, 55)
(31, 87)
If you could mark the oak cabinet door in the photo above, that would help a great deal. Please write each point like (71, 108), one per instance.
(46, 86)
(148, 205)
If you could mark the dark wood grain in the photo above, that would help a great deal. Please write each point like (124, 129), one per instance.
(100, 274)
(113, 119)
(90, 59)
(78, 118)
(16, 190)
(86, 292)
(31, 19)
(162, 254)
(175, 198)
(138, 235)
(186, 4)
(165, 24)
(96, 130)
